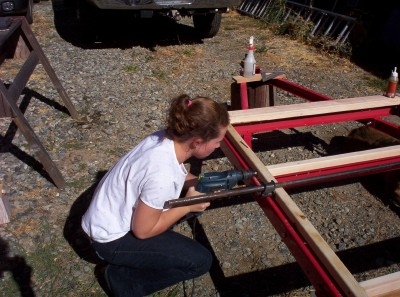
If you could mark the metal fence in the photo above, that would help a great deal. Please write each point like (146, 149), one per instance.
(326, 23)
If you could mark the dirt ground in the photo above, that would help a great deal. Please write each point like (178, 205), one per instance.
(119, 86)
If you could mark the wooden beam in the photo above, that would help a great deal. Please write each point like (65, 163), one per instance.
(241, 79)
(336, 160)
(314, 240)
(310, 108)
(5, 212)
(256, 77)
(383, 286)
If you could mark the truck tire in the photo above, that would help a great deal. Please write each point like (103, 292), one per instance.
(207, 25)
(88, 17)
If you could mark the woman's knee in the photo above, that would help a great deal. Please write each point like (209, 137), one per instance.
(203, 261)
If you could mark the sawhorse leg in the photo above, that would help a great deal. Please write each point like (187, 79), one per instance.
(33, 45)
(33, 140)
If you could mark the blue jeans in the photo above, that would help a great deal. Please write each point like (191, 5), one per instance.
(139, 267)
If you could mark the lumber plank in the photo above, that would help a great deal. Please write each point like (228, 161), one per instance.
(310, 108)
(256, 77)
(4, 207)
(241, 79)
(383, 286)
(336, 160)
(320, 247)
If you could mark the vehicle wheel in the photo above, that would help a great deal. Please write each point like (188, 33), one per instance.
(207, 25)
(29, 12)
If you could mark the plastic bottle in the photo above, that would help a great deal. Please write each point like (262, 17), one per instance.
(392, 85)
(249, 68)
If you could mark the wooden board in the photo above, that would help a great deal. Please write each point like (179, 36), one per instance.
(241, 79)
(319, 246)
(257, 77)
(336, 160)
(383, 286)
(5, 212)
(310, 108)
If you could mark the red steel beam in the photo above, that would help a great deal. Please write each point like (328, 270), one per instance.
(298, 90)
(387, 127)
(366, 115)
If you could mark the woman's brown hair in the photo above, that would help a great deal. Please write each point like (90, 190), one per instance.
(200, 116)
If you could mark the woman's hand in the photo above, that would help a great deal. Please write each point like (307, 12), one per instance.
(200, 207)
(196, 207)
(191, 180)
(192, 192)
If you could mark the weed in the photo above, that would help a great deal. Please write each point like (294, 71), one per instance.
(72, 144)
(77, 184)
(230, 28)
(149, 58)
(159, 73)
(376, 83)
(262, 48)
(276, 12)
(282, 22)
(173, 292)
(188, 52)
(130, 68)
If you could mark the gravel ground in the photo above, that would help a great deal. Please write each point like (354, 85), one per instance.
(121, 85)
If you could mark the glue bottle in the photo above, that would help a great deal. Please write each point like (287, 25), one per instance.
(249, 68)
(392, 84)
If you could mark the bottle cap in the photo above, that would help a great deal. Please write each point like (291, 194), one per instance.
(394, 72)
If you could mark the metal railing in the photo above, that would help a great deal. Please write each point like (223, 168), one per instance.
(325, 23)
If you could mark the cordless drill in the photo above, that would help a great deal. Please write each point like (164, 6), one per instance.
(213, 181)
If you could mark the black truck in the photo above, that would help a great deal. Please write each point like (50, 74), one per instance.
(206, 14)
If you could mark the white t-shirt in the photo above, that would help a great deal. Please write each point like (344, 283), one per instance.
(150, 172)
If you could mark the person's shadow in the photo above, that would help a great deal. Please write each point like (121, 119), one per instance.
(78, 239)
(21, 272)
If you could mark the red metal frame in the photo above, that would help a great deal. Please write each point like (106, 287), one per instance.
(372, 115)
(318, 275)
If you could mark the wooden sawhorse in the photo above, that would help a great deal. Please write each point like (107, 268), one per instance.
(18, 29)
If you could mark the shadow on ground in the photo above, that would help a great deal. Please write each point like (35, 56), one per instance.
(21, 272)
(73, 231)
